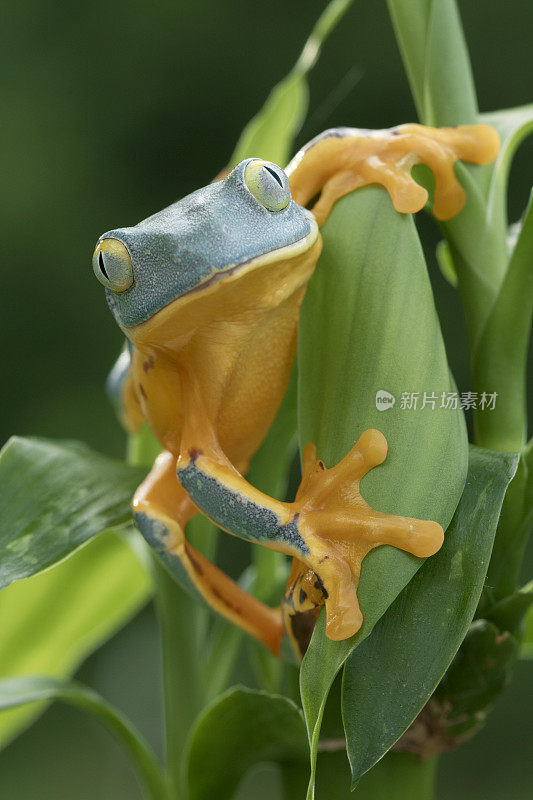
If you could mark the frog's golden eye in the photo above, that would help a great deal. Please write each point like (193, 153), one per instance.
(268, 184)
(112, 265)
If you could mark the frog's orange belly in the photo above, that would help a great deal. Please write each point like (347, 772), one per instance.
(238, 405)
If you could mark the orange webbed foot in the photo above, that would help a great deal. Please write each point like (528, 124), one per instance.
(344, 159)
(340, 528)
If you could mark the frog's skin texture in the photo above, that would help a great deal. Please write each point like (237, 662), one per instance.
(208, 293)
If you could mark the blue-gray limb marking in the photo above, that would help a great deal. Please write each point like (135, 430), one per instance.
(237, 514)
(159, 538)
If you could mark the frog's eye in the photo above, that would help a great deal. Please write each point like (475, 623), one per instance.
(268, 184)
(112, 265)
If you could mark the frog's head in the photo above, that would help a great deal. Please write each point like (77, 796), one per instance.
(245, 221)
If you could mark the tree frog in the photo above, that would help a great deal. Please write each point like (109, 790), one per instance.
(208, 293)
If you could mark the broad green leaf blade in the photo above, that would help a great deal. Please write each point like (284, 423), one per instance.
(431, 40)
(369, 324)
(503, 349)
(51, 622)
(240, 729)
(56, 496)
(271, 133)
(17, 692)
(389, 679)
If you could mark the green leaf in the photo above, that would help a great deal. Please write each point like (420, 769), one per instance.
(514, 527)
(509, 613)
(445, 262)
(389, 679)
(435, 55)
(142, 447)
(55, 497)
(500, 359)
(271, 133)
(379, 331)
(527, 644)
(431, 40)
(513, 126)
(475, 679)
(50, 623)
(489, 290)
(20, 691)
(240, 729)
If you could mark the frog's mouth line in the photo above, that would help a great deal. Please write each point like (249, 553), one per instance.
(289, 251)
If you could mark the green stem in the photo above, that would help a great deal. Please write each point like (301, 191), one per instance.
(324, 25)
(19, 691)
(181, 624)
(181, 674)
(148, 769)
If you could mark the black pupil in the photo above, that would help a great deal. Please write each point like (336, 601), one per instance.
(274, 175)
(102, 265)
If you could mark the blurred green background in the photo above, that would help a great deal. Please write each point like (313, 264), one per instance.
(112, 110)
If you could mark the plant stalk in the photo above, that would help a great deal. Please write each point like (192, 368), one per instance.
(180, 626)
(182, 693)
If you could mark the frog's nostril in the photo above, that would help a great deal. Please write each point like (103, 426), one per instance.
(102, 265)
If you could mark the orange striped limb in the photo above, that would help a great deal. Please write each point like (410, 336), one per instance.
(161, 510)
(343, 159)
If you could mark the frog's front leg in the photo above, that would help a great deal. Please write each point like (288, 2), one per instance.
(343, 159)
(161, 510)
(329, 528)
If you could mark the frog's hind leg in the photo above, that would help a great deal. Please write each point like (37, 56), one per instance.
(343, 159)
(161, 509)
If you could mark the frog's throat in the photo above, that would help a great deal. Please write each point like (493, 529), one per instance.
(284, 253)
(303, 249)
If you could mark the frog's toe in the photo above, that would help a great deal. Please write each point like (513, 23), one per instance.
(307, 592)
(368, 452)
(343, 614)
(343, 622)
(425, 538)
